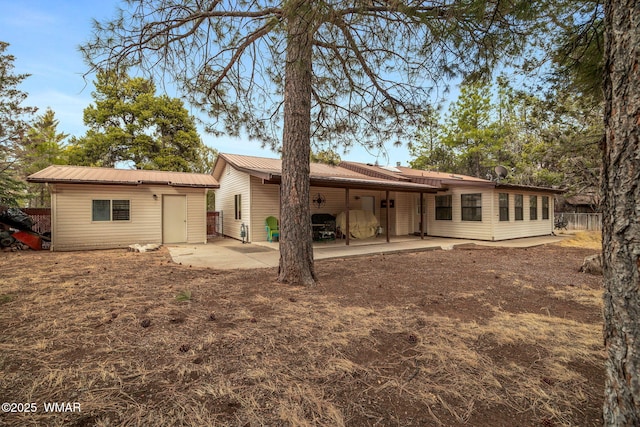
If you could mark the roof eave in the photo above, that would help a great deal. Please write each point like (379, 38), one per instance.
(330, 182)
(78, 181)
(253, 172)
(196, 185)
(95, 182)
(530, 188)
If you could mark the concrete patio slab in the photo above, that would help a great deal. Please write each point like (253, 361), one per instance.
(231, 254)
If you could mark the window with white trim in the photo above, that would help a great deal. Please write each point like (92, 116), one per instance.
(471, 207)
(504, 206)
(518, 201)
(238, 206)
(110, 210)
(533, 207)
(545, 207)
(443, 207)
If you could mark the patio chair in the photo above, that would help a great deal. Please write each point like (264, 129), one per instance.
(271, 225)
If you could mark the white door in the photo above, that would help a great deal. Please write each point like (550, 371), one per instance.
(174, 219)
(367, 203)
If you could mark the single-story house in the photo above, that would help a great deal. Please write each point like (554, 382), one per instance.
(100, 208)
(404, 200)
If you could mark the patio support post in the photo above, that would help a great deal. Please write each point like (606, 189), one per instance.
(346, 203)
(422, 216)
(387, 224)
(280, 213)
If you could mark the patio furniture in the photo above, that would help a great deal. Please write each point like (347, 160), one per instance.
(362, 224)
(273, 231)
(324, 226)
(561, 222)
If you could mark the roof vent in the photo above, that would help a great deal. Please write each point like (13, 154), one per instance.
(391, 169)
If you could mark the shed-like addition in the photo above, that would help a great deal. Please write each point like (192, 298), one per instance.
(102, 208)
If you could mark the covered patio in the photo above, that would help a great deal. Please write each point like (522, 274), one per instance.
(369, 184)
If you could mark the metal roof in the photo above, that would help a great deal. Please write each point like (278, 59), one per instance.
(93, 175)
(439, 175)
(437, 179)
(361, 175)
(508, 186)
(373, 170)
(322, 175)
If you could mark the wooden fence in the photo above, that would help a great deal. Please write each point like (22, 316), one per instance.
(41, 218)
(582, 221)
(214, 224)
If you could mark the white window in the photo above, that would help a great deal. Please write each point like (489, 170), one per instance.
(110, 210)
(472, 207)
(238, 205)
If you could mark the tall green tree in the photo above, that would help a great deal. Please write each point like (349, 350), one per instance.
(13, 126)
(472, 137)
(551, 140)
(292, 70)
(42, 146)
(565, 146)
(327, 156)
(576, 56)
(621, 213)
(470, 130)
(428, 150)
(130, 123)
(577, 49)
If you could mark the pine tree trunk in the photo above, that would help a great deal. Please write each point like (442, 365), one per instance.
(296, 245)
(621, 209)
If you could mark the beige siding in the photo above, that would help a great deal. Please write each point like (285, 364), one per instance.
(233, 182)
(490, 228)
(404, 210)
(479, 230)
(265, 202)
(335, 200)
(513, 229)
(196, 215)
(73, 227)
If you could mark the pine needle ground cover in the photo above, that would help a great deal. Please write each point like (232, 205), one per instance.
(471, 336)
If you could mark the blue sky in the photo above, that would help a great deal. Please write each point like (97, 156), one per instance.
(44, 36)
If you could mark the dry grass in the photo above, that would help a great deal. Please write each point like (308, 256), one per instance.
(584, 239)
(243, 351)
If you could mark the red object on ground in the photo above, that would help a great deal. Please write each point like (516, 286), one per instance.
(32, 240)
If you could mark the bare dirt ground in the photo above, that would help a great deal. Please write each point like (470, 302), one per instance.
(468, 337)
